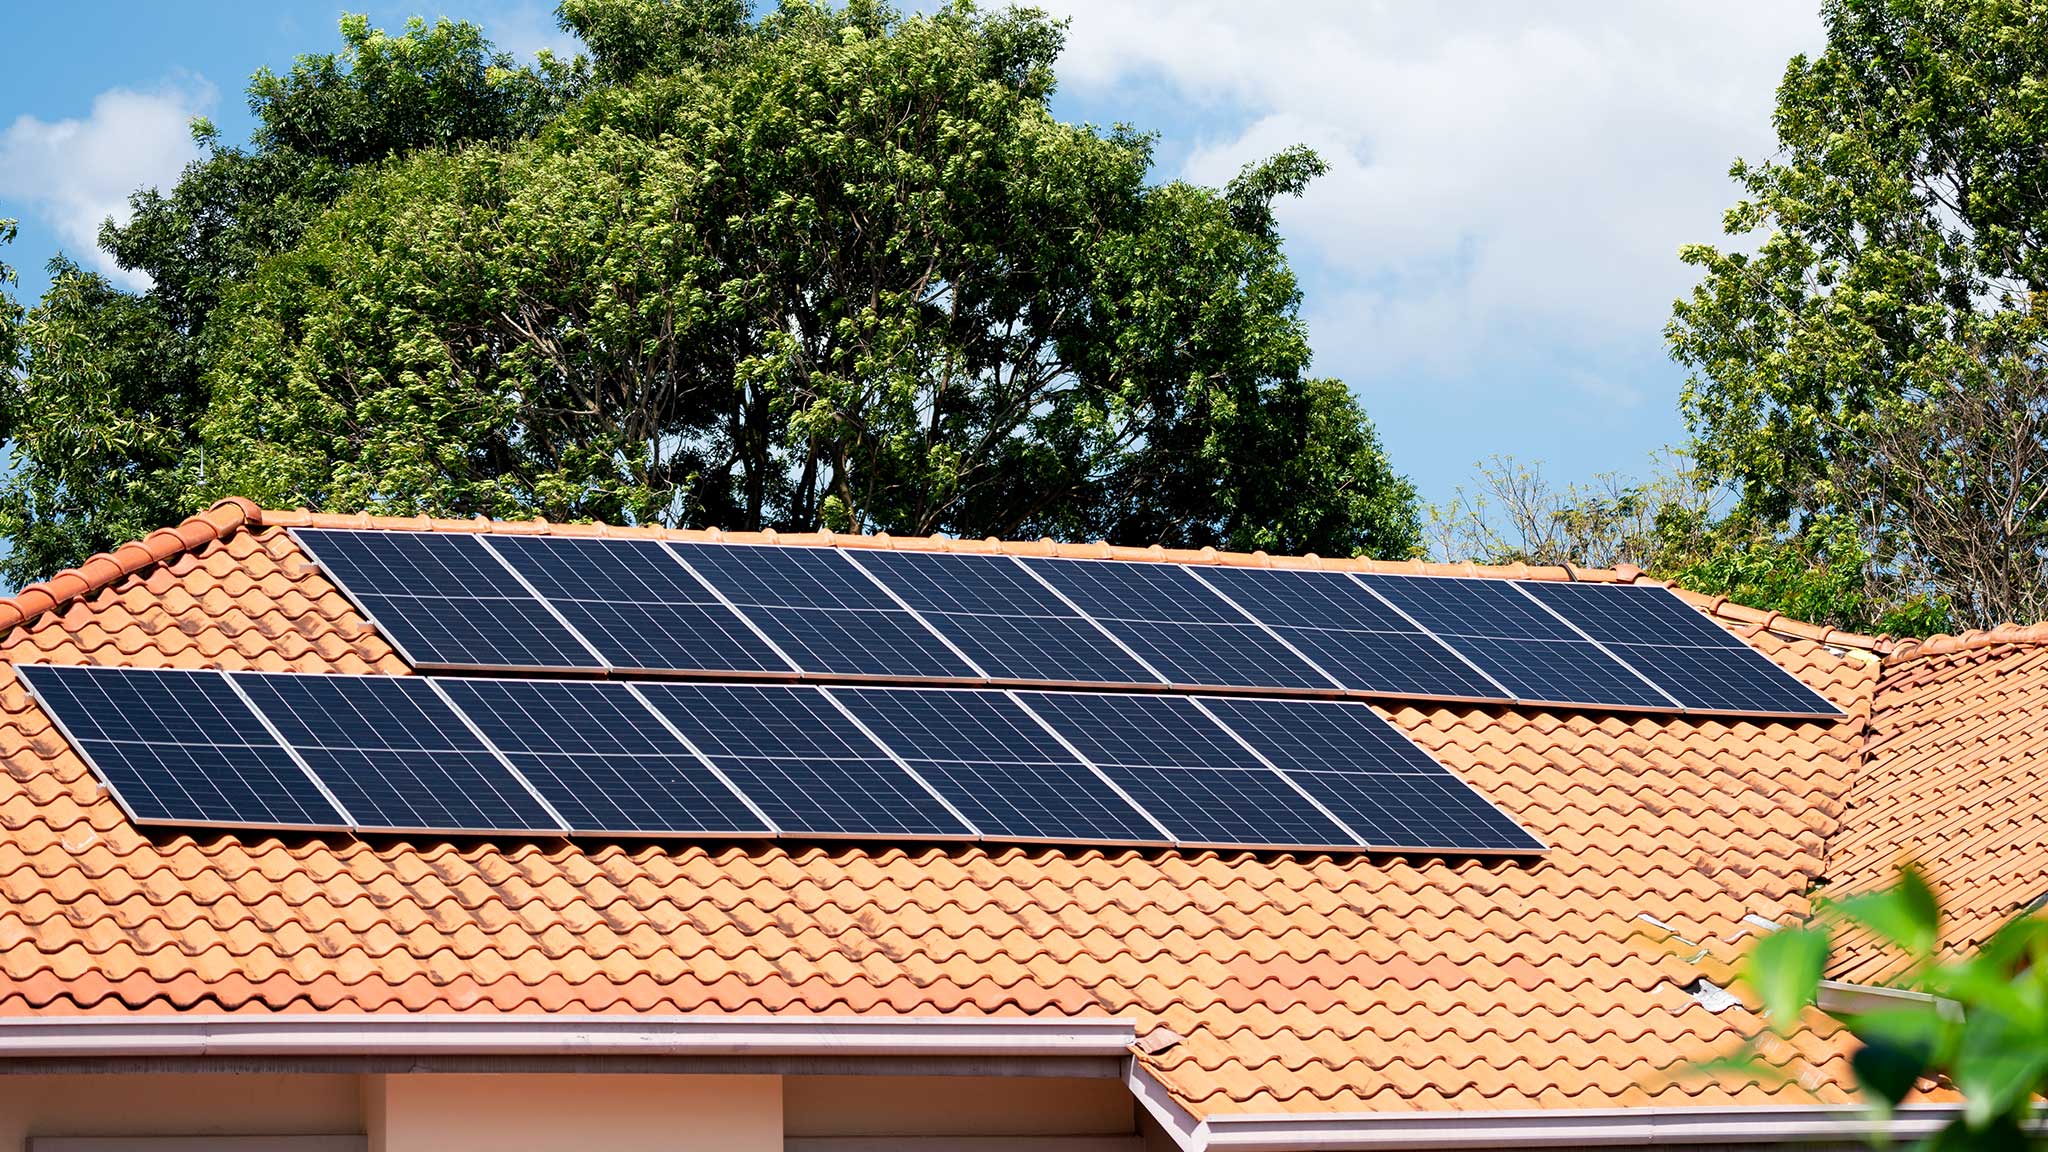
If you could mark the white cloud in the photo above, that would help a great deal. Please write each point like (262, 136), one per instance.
(1499, 170)
(76, 173)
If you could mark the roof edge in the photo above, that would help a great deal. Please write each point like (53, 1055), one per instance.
(223, 519)
(452, 1034)
(1563, 1127)
(230, 515)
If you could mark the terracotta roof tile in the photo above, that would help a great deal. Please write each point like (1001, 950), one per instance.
(1300, 982)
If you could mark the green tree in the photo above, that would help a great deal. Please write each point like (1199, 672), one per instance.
(831, 268)
(846, 270)
(1979, 1025)
(102, 419)
(1875, 360)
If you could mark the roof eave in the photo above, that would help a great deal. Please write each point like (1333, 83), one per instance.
(1562, 1128)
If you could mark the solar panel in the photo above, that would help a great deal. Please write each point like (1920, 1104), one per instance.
(1184, 769)
(998, 766)
(601, 758)
(1529, 651)
(1352, 634)
(1371, 776)
(637, 605)
(1179, 626)
(179, 747)
(1700, 664)
(800, 760)
(444, 601)
(396, 755)
(822, 611)
(1007, 622)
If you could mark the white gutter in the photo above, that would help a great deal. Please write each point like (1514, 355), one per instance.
(1565, 1128)
(1838, 998)
(87, 1037)
(1522, 1128)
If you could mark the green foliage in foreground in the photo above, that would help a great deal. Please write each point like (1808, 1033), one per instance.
(1979, 1025)
(830, 268)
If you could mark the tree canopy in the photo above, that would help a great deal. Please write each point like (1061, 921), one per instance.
(1867, 357)
(838, 268)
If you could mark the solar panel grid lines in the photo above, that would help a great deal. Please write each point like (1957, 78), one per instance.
(709, 764)
(1532, 652)
(270, 728)
(484, 541)
(637, 606)
(1268, 762)
(554, 814)
(1007, 623)
(1701, 665)
(1386, 787)
(398, 757)
(1268, 629)
(1046, 726)
(900, 602)
(892, 754)
(179, 747)
(442, 600)
(602, 758)
(813, 772)
(824, 612)
(1151, 670)
(788, 660)
(1001, 769)
(1179, 625)
(1182, 768)
(1521, 587)
(1354, 635)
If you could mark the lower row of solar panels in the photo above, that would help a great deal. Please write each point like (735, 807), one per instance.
(615, 758)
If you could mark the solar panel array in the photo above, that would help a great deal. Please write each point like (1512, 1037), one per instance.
(459, 755)
(507, 602)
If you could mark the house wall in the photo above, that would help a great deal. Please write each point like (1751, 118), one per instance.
(623, 1112)
(180, 1105)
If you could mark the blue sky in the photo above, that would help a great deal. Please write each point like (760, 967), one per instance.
(1489, 263)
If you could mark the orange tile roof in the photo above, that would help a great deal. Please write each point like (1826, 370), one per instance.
(1299, 982)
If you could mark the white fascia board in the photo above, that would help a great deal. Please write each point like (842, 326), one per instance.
(440, 1034)
(1839, 998)
(1560, 1128)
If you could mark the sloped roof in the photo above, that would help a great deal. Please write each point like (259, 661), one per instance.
(1297, 982)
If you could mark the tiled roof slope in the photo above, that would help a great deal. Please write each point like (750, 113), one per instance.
(1299, 982)
(1955, 781)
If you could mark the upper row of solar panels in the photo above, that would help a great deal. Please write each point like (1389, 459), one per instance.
(510, 602)
(619, 758)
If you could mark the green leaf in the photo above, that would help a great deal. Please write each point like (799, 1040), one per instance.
(1888, 1070)
(1785, 969)
(1906, 914)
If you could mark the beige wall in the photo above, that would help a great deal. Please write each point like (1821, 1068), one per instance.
(955, 1106)
(621, 1113)
(185, 1105)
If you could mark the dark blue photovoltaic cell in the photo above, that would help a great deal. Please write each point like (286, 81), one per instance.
(984, 753)
(601, 758)
(179, 747)
(395, 754)
(1185, 770)
(1689, 656)
(822, 611)
(802, 761)
(1372, 777)
(1530, 652)
(637, 605)
(443, 600)
(1006, 621)
(1186, 631)
(1351, 633)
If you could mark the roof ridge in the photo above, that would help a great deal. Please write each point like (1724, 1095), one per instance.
(1970, 639)
(102, 569)
(230, 515)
